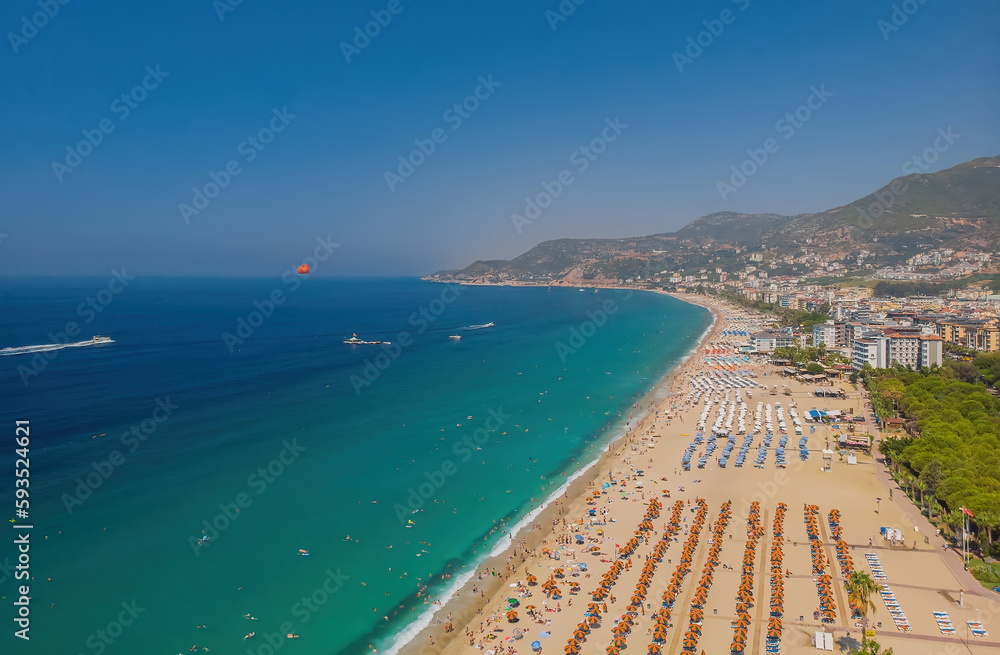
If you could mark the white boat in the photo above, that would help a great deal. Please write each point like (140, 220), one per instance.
(99, 339)
(480, 327)
(355, 341)
(455, 337)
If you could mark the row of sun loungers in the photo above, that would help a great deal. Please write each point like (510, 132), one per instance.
(876, 566)
(888, 597)
(891, 604)
(944, 623)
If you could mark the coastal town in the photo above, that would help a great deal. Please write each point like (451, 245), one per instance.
(877, 321)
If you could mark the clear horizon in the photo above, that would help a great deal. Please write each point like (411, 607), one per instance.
(224, 139)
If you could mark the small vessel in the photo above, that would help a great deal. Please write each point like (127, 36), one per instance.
(355, 341)
(454, 337)
(480, 327)
(99, 339)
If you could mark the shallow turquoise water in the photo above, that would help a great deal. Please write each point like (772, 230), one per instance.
(280, 427)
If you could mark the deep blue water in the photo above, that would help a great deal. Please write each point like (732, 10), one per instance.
(277, 427)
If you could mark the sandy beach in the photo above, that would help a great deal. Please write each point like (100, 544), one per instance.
(607, 505)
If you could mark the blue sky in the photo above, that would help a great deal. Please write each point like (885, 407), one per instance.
(222, 80)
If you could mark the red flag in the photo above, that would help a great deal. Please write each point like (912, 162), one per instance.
(966, 512)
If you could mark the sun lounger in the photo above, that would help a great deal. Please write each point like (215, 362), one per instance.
(977, 628)
(944, 623)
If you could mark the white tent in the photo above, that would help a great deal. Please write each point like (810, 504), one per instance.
(823, 641)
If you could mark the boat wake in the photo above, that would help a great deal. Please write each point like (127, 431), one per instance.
(46, 347)
(478, 327)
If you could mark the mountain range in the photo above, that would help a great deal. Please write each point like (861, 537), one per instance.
(956, 208)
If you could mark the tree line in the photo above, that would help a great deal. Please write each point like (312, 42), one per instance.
(950, 456)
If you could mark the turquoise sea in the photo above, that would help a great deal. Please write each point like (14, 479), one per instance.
(282, 439)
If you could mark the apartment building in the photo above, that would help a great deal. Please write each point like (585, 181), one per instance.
(871, 350)
(769, 340)
(968, 333)
(909, 348)
(913, 349)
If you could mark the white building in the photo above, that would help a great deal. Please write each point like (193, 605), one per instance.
(872, 351)
(914, 351)
(825, 334)
(769, 340)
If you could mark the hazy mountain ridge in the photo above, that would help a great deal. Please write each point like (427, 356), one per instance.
(958, 207)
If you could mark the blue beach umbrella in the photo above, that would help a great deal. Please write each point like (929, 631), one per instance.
(536, 645)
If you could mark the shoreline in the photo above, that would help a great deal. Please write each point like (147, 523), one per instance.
(463, 604)
(837, 521)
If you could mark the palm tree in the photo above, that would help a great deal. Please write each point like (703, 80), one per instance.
(860, 589)
(873, 648)
(954, 520)
(990, 521)
(905, 479)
